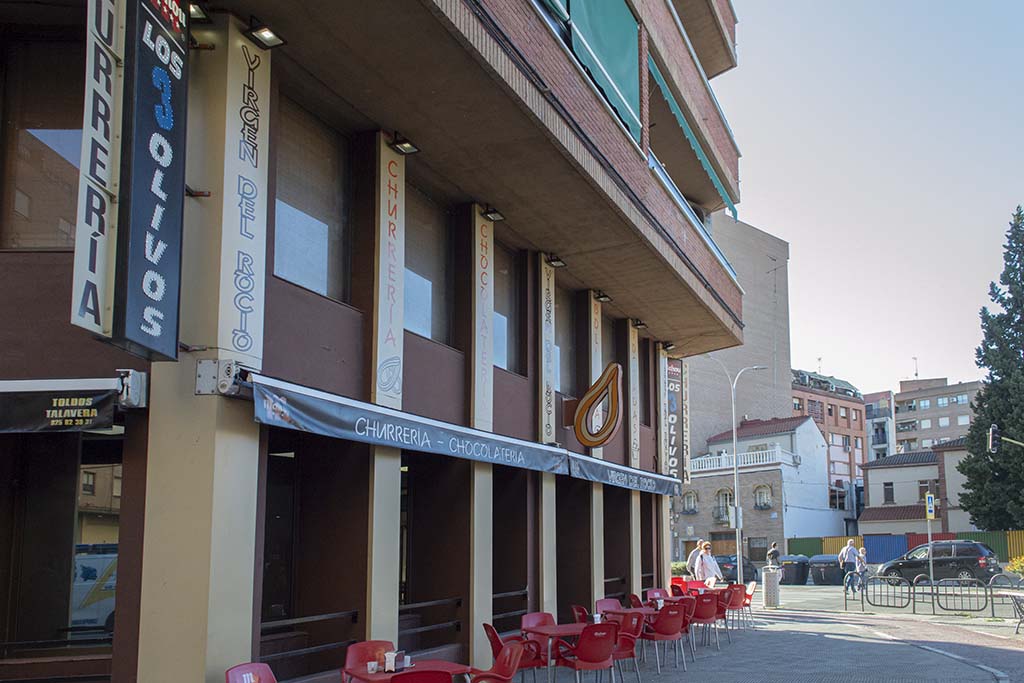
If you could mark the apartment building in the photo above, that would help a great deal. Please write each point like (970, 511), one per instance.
(880, 413)
(932, 411)
(334, 340)
(837, 407)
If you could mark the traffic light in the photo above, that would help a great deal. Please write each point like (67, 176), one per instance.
(994, 439)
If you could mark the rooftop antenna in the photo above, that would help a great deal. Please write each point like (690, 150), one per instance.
(915, 366)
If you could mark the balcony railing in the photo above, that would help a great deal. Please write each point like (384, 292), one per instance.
(720, 513)
(879, 439)
(876, 413)
(775, 456)
(906, 427)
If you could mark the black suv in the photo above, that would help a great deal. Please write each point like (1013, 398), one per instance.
(952, 560)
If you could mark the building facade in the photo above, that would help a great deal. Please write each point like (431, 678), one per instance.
(837, 407)
(783, 489)
(361, 298)
(880, 415)
(932, 411)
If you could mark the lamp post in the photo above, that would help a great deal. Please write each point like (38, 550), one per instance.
(737, 512)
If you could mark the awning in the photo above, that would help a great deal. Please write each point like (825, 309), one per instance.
(57, 405)
(593, 469)
(292, 406)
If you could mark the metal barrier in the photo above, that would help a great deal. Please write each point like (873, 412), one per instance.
(961, 595)
(948, 595)
(893, 592)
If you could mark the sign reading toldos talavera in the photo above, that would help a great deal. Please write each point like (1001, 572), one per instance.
(133, 298)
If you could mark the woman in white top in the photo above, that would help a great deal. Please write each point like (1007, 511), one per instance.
(706, 566)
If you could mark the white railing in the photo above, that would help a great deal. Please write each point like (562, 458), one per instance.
(775, 456)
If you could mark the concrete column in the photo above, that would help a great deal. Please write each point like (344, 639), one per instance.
(594, 370)
(387, 359)
(481, 402)
(546, 425)
(635, 563)
(664, 541)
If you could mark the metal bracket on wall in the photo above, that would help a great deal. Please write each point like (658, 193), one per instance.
(134, 389)
(222, 377)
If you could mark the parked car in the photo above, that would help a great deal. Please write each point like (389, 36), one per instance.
(960, 559)
(727, 563)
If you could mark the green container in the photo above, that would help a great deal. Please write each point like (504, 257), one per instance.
(993, 539)
(812, 546)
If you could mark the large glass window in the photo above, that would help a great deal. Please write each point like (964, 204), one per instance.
(41, 144)
(507, 315)
(428, 271)
(311, 212)
(565, 341)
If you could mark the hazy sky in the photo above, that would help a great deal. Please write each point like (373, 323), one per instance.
(884, 140)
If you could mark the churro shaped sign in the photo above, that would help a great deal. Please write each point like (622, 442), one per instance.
(608, 385)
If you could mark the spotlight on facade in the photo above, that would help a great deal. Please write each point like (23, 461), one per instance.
(555, 262)
(403, 145)
(668, 346)
(639, 324)
(197, 14)
(602, 297)
(262, 35)
(492, 214)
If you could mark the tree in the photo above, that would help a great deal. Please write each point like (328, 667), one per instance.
(994, 491)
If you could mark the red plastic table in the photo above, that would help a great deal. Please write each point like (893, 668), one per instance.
(419, 665)
(552, 632)
(648, 612)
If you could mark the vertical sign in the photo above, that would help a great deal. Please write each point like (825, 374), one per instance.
(686, 421)
(547, 350)
(244, 211)
(153, 193)
(482, 404)
(92, 298)
(595, 366)
(389, 271)
(634, 394)
(678, 427)
(929, 501)
(668, 460)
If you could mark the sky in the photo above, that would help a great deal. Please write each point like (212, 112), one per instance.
(884, 139)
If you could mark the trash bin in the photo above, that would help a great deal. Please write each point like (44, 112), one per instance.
(826, 570)
(794, 570)
(770, 575)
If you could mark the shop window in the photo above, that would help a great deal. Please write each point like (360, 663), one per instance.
(507, 309)
(428, 267)
(311, 211)
(565, 341)
(41, 144)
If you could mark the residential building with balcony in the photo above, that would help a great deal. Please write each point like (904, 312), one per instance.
(837, 407)
(783, 489)
(932, 411)
(412, 233)
(880, 418)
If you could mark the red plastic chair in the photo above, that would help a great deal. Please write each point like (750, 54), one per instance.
(605, 604)
(748, 599)
(625, 647)
(734, 607)
(579, 613)
(249, 673)
(505, 666)
(358, 654)
(592, 652)
(677, 590)
(422, 677)
(705, 613)
(635, 601)
(688, 604)
(532, 657)
(537, 619)
(656, 594)
(667, 626)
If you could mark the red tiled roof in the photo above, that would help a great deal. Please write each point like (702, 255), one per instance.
(892, 513)
(748, 428)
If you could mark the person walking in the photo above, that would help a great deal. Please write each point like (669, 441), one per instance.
(691, 559)
(773, 555)
(706, 567)
(861, 563)
(848, 561)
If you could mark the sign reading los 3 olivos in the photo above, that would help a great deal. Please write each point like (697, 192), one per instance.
(678, 420)
(132, 298)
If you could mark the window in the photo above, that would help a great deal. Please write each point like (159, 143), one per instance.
(926, 443)
(942, 550)
(842, 411)
(690, 502)
(856, 414)
(762, 498)
(428, 272)
(311, 235)
(565, 341)
(923, 487)
(41, 143)
(831, 409)
(723, 498)
(117, 485)
(925, 424)
(961, 399)
(798, 405)
(507, 323)
(967, 550)
(943, 401)
(924, 404)
(858, 442)
(887, 493)
(943, 421)
(846, 440)
(918, 553)
(609, 349)
(963, 420)
(89, 483)
(836, 439)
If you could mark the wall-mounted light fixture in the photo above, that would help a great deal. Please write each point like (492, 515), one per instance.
(555, 262)
(639, 324)
(668, 346)
(262, 35)
(492, 214)
(197, 14)
(403, 145)
(602, 297)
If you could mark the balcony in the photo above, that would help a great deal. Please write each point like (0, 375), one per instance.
(720, 513)
(873, 412)
(906, 427)
(777, 456)
(879, 439)
(711, 28)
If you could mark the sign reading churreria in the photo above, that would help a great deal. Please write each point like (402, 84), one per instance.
(389, 302)
(153, 180)
(280, 404)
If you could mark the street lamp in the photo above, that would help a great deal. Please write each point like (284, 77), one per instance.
(737, 512)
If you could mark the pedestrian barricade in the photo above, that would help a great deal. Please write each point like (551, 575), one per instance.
(893, 592)
(947, 595)
(961, 595)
